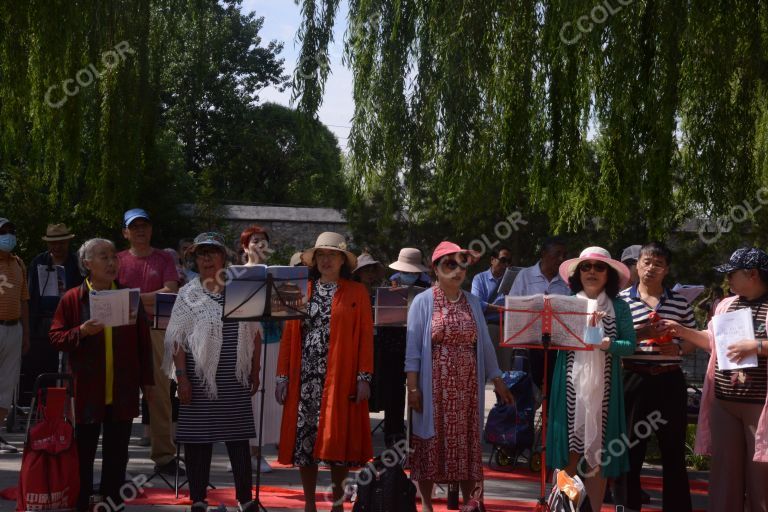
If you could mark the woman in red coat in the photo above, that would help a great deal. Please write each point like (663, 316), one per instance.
(324, 372)
(109, 364)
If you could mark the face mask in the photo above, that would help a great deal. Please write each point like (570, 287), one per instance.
(7, 242)
(408, 279)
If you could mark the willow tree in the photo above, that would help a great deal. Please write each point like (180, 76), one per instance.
(644, 111)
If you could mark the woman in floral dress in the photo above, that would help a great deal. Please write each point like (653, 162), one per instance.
(324, 372)
(448, 346)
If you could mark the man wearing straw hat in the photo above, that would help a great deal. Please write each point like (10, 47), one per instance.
(46, 287)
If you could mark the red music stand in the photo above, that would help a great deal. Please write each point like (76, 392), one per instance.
(547, 315)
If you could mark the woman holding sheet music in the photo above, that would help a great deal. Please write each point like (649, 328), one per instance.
(216, 365)
(109, 365)
(324, 373)
(586, 408)
(733, 420)
(447, 349)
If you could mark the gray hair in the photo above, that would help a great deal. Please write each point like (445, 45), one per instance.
(85, 252)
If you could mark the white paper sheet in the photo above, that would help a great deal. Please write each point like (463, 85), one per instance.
(730, 328)
(114, 307)
(50, 280)
(689, 291)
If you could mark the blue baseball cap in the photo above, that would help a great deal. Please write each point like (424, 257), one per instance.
(744, 259)
(133, 214)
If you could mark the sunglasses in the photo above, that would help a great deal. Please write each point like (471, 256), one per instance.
(599, 267)
(453, 264)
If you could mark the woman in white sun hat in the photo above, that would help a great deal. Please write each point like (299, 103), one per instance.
(586, 408)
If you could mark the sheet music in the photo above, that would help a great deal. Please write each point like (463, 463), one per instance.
(51, 280)
(245, 296)
(289, 296)
(689, 291)
(163, 307)
(568, 330)
(730, 328)
(508, 279)
(114, 308)
(392, 303)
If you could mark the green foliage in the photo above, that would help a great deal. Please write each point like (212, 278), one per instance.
(465, 110)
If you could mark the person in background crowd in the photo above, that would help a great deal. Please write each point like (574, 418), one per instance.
(410, 270)
(629, 257)
(295, 260)
(543, 278)
(387, 387)
(254, 241)
(449, 350)
(324, 373)
(485, 286)
(179, 268)
(217, 367)
(14, 321)
(710, 305)
(109, 365)
(733, 419)
(185, 262)
(42, 358)
(586, 410)
(153, 271)
(654, 381)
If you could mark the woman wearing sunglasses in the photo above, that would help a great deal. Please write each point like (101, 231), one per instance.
(586, 409)
(448, 346)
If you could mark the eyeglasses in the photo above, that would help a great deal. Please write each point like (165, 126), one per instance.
(207, 252)
(503, 260)
(598, 266)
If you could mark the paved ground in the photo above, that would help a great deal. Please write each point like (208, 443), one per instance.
(287, 478)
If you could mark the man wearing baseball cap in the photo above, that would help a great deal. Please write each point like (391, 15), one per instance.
(153, 271)
(629, 257)
(14, 320)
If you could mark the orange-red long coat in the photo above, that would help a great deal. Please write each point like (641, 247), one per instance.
(344, 431)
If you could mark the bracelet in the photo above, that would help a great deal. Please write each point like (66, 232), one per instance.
(413, 390)
(180, 373)
(759, 347)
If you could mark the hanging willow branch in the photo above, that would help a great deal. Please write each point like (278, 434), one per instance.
(647, 111)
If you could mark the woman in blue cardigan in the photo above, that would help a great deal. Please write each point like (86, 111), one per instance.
(586, 428)
(447, 346)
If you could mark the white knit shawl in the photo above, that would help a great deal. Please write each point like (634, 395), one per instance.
(196, 326)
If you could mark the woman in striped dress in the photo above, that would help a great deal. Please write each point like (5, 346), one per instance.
(586, 408)
(216, 365)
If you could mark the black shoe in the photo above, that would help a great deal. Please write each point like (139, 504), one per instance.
(170, 469)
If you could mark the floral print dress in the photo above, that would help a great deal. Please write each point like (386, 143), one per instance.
(454, 453)
(314, 359)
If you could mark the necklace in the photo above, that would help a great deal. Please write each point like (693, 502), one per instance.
(454, 301)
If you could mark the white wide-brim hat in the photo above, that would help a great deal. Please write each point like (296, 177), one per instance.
(409, 260)
(568, 267)
(332, 241)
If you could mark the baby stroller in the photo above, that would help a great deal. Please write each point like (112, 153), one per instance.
(49, 479)
(514, 430)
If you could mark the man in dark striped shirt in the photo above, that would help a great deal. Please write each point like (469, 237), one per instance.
(654, 384)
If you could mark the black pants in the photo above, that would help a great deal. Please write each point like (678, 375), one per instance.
(536, 358)
(660, 402)
(389, 380)
(197, 457)
(114, 447)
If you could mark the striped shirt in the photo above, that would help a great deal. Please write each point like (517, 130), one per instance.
(230, 416)
(672, 306)
(13, 287)
(751, 384)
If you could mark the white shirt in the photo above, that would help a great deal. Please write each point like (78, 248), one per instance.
(530, 281)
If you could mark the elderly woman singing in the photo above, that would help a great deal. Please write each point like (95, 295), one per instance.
(216, 365)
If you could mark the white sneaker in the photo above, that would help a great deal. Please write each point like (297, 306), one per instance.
(6, 447)
(262, 462)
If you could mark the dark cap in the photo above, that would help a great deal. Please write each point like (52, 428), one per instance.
(744, 259)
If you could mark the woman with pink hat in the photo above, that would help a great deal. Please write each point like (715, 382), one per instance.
(448, 346)
(586, 408)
